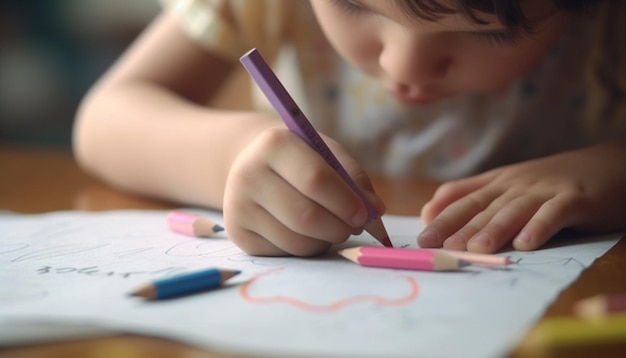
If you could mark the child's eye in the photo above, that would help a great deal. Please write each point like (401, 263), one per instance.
(348, 6)
(498, 38)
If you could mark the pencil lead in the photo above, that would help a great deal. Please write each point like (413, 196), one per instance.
(387, 241)
(463, 263)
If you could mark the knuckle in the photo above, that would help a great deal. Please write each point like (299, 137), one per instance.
(460, 236)
(243, 173)
(308, 218)
(568, 203)
(540, 228)
(466, 232)
(313, 178)
(445, 189)
(274, 137)
(473, 203)
(495, 229)
(241, 177)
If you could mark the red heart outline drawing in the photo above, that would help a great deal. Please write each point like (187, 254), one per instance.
(332, 307)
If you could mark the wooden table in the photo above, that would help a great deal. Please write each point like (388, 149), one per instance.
(36, 180)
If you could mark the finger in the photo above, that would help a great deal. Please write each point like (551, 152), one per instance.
(450, 192)
(309, 174)
(504, 225)
(253, 243)
(454, 217)
(509, 200)
(243, 216)
(277, 234)
(459, 239)
(552, 216)
(296, 212)
(258, 233)
(239, 214)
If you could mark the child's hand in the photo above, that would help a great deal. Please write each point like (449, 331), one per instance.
(530, 202)
(281, 197)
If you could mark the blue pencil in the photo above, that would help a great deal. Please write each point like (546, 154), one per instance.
(184, 284)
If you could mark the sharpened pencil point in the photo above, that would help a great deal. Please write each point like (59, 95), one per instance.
(386, 241)
(464, 263)
(192, 225)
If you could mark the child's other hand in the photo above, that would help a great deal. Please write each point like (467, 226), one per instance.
(281, 197)
(530, 202)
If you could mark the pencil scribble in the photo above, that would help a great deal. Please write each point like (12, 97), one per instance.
(56, 251)
(8, 248)
(132, 252)
(196, 248)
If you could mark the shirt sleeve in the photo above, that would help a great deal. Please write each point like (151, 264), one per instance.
(232, 27)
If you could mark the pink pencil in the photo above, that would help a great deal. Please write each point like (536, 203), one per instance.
(192, 225)
(478, 259)
(409, 259)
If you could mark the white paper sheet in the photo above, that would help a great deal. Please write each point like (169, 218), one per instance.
(76, 268)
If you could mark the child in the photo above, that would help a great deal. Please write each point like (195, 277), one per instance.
(517, 104)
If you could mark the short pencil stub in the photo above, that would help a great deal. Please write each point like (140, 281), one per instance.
(192, 225)
(184, 284)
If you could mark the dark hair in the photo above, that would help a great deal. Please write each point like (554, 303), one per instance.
(508, 12)
(605, 72)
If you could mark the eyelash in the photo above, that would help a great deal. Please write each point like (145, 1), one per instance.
(348, 6)
(498, 38)
(490, 38)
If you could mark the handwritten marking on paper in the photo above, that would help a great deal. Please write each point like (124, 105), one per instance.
(132, 252)
(196, 248)
(523, 269)
(228, 251)
(445, 306)
(333, 306)
(530, 260)
(95, 271)
(56, 251)
(4, 249)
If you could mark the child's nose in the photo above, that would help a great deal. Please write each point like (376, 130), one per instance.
(415, 62)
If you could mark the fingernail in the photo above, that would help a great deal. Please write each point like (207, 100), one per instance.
(522, 238)
(481, 240)
(357, 231)
(428, 237)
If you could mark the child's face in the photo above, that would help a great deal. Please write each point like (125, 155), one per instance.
(421, 62)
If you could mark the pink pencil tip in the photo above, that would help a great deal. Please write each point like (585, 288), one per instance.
(387, 242)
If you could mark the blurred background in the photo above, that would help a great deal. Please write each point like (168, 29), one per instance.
(51, 51)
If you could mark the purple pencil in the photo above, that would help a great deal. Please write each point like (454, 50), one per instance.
(297, 122)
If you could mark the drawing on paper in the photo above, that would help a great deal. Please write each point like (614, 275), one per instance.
(333, 306)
